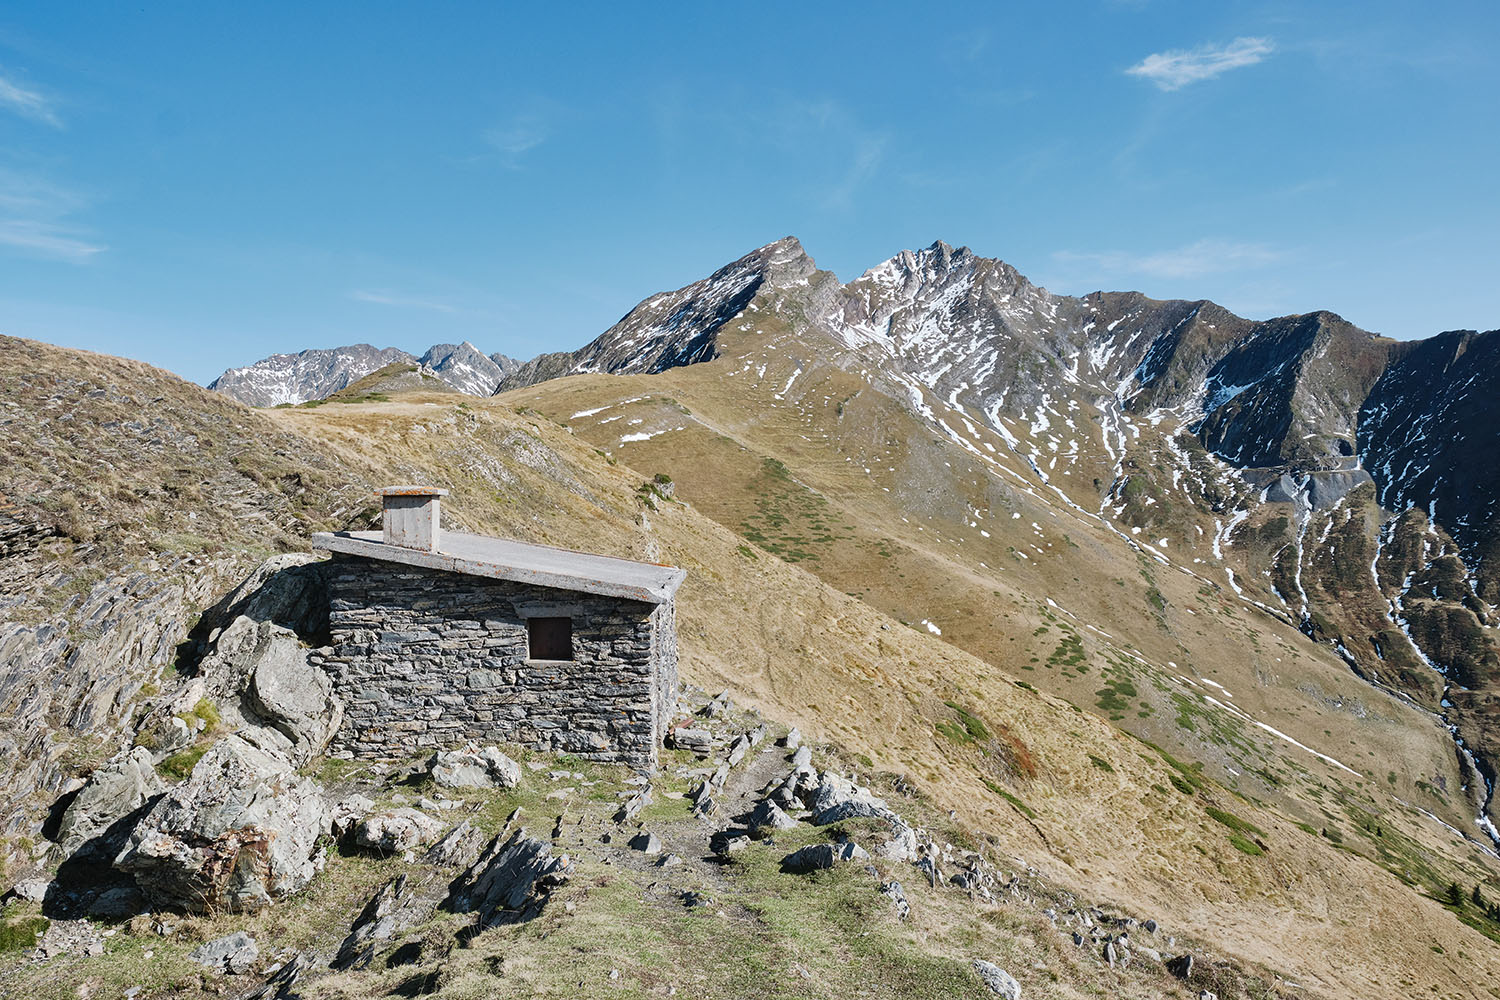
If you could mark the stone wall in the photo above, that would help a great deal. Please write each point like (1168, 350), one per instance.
(427, 658)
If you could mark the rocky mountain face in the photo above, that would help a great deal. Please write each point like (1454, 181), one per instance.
(464, 367)
(1289, 460)
(505, 363)
(673, 328)
(318, 374)
(311, 374)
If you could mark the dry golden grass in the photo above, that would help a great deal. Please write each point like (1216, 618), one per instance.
(812, 656)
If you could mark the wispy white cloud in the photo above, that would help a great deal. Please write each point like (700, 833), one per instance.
(528, 127)
(1177, 68)
(28, 103)
(869, 151)
(383, 298)
(834, 143)
(34, 221)
(1206, 256)
(46, 239)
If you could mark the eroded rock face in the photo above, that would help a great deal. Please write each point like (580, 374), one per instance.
(114, 791)
(259, 675)
(239, 833)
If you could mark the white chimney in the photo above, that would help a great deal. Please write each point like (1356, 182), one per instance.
(412, 516)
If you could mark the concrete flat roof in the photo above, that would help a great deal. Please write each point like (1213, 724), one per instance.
(519, 562)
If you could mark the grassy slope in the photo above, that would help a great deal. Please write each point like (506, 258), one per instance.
(831, 664)
(791, 474)
(1109, 819)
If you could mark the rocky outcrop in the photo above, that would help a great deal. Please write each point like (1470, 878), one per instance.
(289, 590)
(510, 882)
(816, 857)
(838, 798)
(399, 905)
(239, 833)
(767, 815)
(112, 794)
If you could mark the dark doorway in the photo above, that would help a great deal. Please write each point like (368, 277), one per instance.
(550, 638)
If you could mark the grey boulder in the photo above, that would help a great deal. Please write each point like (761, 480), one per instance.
(822, 856)
(233, 953)
(696, 740)
(259, 675)
(838, 798)
(470, 767)
(902, 846)
(240, 832)
(997, 979)
(395, 831)
(646, 842)
(32, 890)
(769, 816)
(114, 791)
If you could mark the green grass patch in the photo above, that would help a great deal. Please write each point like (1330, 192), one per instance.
(1232, 821)
(180, 764)
(1021, 807)
(1102, 764)
(1245, 846)
(21, 933)
(973, 726)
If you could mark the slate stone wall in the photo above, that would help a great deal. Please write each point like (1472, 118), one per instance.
(427, 658)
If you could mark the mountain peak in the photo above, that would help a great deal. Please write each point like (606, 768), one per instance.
(465, 367)
(780, 263)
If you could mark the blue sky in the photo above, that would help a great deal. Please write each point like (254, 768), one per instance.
(200, 185)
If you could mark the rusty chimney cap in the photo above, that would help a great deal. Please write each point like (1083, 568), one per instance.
(411, 491)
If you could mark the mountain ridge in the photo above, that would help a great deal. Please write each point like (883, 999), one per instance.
(318, 373)
(1246, 450)
(1173, 423)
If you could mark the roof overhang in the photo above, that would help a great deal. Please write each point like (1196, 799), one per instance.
(519, 562)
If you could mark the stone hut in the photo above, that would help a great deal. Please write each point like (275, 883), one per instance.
(440, 637)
